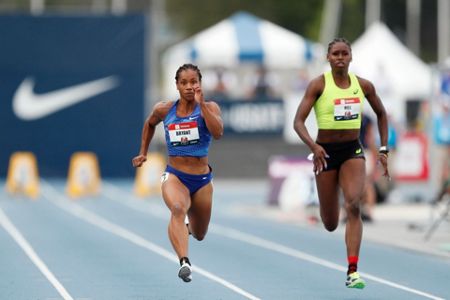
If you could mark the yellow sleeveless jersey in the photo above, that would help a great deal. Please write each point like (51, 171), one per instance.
(339, 108)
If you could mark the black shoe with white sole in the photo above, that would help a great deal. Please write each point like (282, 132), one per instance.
(185, 272)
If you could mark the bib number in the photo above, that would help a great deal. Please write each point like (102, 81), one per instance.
(347, 109)
(183, 134)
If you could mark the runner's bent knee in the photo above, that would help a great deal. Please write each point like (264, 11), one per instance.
(178, 209)
(330, 225)
(199, 227)
(352, 206)
(199, 236)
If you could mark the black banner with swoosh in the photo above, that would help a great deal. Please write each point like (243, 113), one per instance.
(72, 83)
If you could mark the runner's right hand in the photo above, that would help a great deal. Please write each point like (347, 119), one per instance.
(139, 160)
(319, 159)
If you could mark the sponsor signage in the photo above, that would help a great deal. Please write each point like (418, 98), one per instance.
(253, 117)
(411, 160)
(69, 84)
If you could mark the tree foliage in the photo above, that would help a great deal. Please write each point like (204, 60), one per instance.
(302, 17)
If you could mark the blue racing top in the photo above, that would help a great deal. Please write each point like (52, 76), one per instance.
(186, 136)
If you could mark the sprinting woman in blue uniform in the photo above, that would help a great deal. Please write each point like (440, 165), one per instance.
(189, 125)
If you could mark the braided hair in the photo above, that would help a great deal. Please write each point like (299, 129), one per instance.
(339, 40)
(188, 67)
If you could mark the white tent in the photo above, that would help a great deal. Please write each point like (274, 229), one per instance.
(398, 75)
(447, 62)
(241, 39)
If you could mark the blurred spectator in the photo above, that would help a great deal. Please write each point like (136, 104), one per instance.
(367, 138)
(220, 89)
(220, 83)
(445, 85)
(383, 187)
(262, 89)
(442, 116)
(445, 178)
(392, 133)
(443, 138)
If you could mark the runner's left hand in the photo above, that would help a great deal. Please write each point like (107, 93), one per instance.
(383, 159)
(198, 96)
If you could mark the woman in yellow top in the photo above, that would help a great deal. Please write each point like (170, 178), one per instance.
(337, 98)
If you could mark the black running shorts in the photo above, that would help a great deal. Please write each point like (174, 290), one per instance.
(340, 152)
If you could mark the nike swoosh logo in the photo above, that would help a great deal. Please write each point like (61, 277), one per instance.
(30, 106)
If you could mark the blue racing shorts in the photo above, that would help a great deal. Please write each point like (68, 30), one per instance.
(193, 182)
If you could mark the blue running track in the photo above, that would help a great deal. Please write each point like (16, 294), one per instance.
(115, 246)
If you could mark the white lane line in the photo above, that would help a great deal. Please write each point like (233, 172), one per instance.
(113, 193)
(257, 241)
(62, 202)
(29, 251)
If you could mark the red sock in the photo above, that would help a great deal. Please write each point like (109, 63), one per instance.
(352, 260)
(352, 264)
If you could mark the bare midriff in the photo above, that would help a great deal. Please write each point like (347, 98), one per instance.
(190, 164)
(337, 135)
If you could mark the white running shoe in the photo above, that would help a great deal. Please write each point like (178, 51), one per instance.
(185, 272)
(355, 281)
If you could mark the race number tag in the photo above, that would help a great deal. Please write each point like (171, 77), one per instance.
(182, 134)
(346, 109)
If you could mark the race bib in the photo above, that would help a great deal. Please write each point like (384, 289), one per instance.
(183, 134)
(347, 109)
